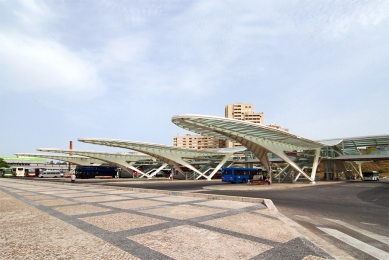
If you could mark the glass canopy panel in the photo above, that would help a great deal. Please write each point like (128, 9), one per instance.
(156, 147)
(210, 125)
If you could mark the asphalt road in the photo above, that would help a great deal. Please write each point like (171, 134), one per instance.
(353, 216)
(363, 205)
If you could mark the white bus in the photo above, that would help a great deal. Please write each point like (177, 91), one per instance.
(371, 176)
(19, 172)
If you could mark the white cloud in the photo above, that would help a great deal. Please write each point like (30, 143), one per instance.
(32, 64)
(34, 60)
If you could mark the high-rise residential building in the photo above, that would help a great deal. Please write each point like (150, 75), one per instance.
(197, 142)
(243, 112)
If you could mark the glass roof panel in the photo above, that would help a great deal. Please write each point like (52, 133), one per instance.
(149, 147)
(209, 124)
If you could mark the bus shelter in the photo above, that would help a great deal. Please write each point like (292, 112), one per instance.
(172, 155)
(124, 160)
(257, 138)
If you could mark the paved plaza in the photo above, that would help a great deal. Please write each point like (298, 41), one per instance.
(43, 220)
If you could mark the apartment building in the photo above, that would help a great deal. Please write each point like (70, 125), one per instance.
(197, 142)
(243, 112)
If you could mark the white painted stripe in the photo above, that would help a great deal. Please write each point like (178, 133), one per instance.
(380, 238)
(190, 190)
(368, 249)
(307, 219)
(371, 224)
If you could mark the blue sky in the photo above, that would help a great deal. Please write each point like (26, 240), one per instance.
(122, 69)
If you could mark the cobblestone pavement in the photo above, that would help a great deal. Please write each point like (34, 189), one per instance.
(72, 221)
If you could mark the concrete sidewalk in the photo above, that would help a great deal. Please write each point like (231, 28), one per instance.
(43, 220)
(273, 186)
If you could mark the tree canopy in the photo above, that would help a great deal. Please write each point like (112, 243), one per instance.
(4, 163)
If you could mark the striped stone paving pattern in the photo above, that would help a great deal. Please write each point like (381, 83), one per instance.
(158, 226)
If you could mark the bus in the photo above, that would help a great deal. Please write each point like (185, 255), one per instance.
(6, 172)
(371, 176)
(30, 173)
(239, 175)
(39, 171)
(89, 171)
(19, 172)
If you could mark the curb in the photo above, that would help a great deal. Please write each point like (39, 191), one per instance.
(269, 204)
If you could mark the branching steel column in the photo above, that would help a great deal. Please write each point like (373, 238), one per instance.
(226, 157)
(133, 168)
(276, 148)
(359, 163)
(315, 163)
(157, 171)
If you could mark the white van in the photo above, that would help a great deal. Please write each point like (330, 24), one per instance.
(50, 174)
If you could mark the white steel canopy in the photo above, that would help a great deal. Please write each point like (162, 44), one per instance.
(259, 139)
(171, 155)
(119, 159)
(351, 145)
(80, 160)
(219, 126)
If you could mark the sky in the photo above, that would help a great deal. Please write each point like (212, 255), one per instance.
(122, 69)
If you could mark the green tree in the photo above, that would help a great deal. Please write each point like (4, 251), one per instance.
(4, 163)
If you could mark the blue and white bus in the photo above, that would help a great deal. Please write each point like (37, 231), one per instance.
(239, 175)
(89, 171)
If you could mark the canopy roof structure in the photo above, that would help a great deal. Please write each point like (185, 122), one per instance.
(219, 126)
(79, 160)
(354, 158)
(119, 159)
(350, 145)
(259, 139)
(171, 155)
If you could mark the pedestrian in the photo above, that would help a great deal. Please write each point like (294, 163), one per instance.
(171, 174)
(73, 178)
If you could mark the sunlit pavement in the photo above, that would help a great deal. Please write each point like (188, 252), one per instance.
(63, 221)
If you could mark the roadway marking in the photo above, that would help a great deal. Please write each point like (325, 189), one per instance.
(380, 238)
(191, 190)
(368, 249)
(307, 219)
(371, 224)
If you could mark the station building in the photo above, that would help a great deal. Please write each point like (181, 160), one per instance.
(30, 163)
(25, 161)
